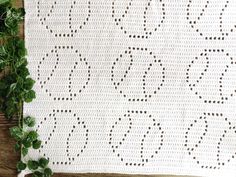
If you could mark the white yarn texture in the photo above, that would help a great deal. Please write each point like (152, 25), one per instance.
(134, 86)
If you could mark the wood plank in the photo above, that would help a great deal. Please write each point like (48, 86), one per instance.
(8, 157)
(4, 122)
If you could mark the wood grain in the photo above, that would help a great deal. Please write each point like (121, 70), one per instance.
(8, 158)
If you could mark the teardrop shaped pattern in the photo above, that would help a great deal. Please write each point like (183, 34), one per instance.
(134, 138)
(63, 60)
(137, 79)
(54, 124)
(128, 27)
(53, 9)
(213, 77)
(203, 137)
(205, 11)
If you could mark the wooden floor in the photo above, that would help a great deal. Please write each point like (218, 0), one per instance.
(8, 158)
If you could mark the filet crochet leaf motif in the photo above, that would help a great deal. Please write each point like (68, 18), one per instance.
(138, 75)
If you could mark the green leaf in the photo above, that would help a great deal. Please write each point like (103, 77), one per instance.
(23, 71)
(2, 34)
(21, 166)
(32, 136)
(37, 144)
(43, 162)
(29, 83)
(4, 2)
(21, 13)
(9, 112)
(10, 78)
(12, 88)
(3, 85)
(16, 133)
(47, 172)
(32, 165)
(16, 86)
(20, 83)
(2, 51)
(20, 62)
(2, 64)
(17, 146)
(24, 151)
(37, 174)
(21, 50)
(27, 142)
(10, 22)
(29, 96)
(10, 107)
(3, 9)
(29, 121)
(13, 17)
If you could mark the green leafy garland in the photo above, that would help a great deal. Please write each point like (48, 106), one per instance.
(16, 88)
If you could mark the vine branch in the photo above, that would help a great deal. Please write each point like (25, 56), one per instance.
(16, 87)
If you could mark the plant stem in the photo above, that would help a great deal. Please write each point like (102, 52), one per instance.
(20, 115)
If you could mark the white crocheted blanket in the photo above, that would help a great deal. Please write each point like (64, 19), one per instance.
(134, 86)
